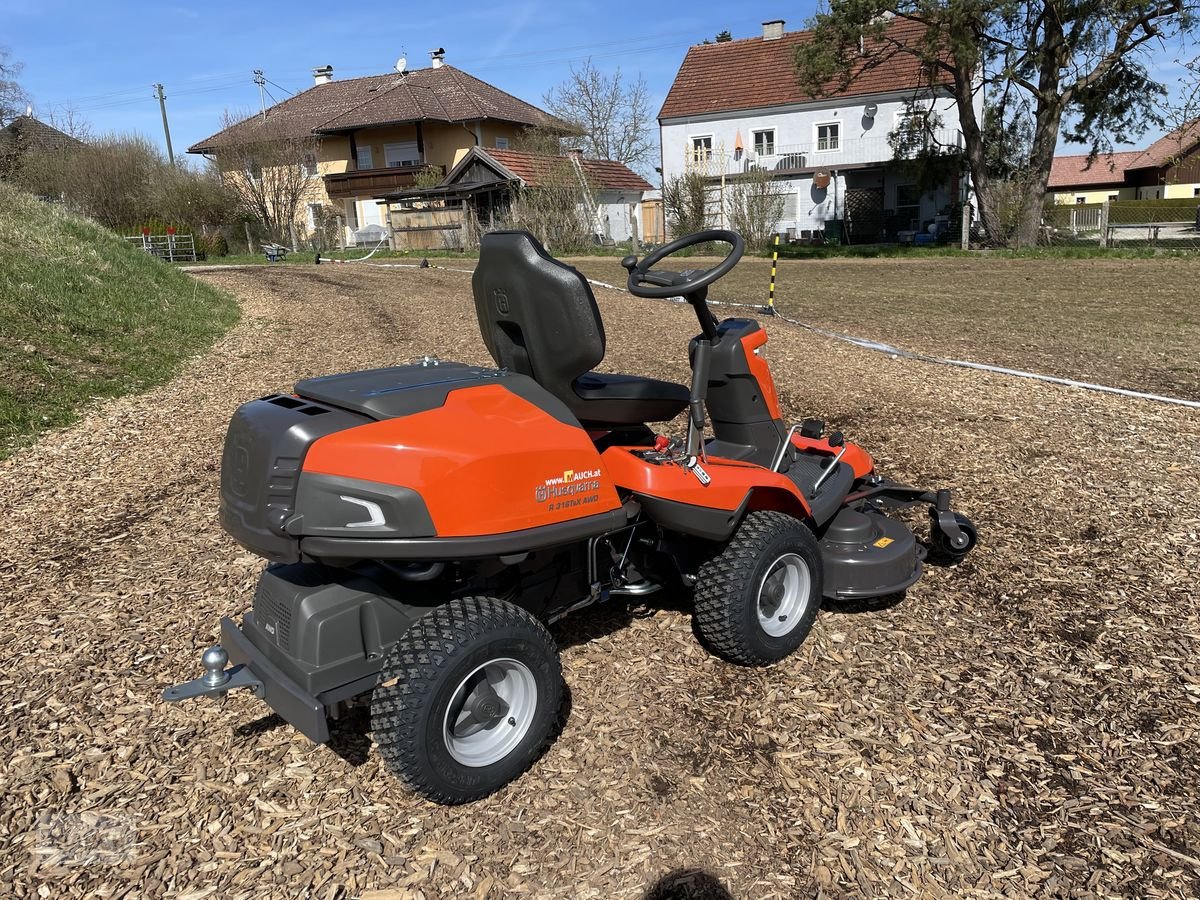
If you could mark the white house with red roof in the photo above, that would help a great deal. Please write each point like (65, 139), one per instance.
(737, 105)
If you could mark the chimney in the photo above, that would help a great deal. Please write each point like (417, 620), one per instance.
(438, 57)
(773, 30)
(323, 75)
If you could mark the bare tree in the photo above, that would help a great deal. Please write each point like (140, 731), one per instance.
(554, 209)
(67, 119)
(267, 167)
(754, 203)
(613, 114)
(12, 96)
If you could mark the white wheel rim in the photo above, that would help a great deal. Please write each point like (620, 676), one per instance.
(490, 712)
(783, 595)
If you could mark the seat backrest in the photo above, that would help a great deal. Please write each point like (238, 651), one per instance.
(538, 316)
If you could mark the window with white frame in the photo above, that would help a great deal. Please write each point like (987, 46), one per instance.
(501, 143)
(1112, 197)
(702, 150)
(764, 142)
(310, 165)
(401, 153)
(829, 136)
(362, 157)
(312, 215)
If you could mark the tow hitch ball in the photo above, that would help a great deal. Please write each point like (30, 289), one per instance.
(216, 680)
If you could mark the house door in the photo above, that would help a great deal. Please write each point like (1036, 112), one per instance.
(864, 215)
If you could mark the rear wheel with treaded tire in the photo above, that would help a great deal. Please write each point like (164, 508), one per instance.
(468, 699)
(757, 599)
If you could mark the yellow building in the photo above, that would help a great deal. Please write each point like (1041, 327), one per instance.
(370, 137)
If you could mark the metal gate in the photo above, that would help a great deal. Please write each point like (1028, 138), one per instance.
(864, 215)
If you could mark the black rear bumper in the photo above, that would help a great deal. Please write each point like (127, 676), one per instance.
(295, 706)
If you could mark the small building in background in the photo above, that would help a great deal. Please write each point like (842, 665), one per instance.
(26, 135)
(479, 193)
(1169, 169)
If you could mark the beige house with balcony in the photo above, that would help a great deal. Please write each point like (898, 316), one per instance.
(374, 136)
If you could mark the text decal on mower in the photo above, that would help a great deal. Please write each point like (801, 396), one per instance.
(570, 489)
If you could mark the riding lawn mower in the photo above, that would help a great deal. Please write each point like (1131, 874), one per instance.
(424, 523)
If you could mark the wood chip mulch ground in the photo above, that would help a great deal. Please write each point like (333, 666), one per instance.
(1022, 725)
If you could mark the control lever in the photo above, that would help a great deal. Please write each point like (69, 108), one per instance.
(837, 439)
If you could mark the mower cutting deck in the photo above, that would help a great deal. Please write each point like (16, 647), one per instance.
(423, 523)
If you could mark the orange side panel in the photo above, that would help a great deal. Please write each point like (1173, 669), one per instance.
(855, 457)
(731, 480)
(761, 371)
(486, 462)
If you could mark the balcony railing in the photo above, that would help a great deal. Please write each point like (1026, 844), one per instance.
(374, 182)
(798, 158)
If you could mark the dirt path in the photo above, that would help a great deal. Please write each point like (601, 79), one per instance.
(1023, 724)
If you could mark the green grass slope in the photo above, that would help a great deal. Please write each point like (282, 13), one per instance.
(84, 315)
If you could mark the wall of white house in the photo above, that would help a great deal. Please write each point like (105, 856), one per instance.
(614, 210)
(861, 139)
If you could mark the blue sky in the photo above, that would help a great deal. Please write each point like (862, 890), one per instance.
(102, 58)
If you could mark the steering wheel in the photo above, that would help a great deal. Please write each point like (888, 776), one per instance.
(644, 283)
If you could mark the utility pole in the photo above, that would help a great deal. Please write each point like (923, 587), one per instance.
(261, 80)
(162, 105)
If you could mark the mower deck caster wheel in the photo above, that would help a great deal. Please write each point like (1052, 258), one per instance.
(757, 599)
(942, 550)
(468, 699)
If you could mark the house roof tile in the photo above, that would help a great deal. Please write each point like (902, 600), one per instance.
(1168, 148)
(533, 168)
(754, 73)
(29, 133)
(444, 94)
(1082, 171)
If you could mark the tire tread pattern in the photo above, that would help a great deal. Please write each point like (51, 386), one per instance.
(406, 684)
(723, 585)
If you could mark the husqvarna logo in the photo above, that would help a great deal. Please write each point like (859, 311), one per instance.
(501, 299)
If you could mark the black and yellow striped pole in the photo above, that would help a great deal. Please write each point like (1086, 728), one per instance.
(770, 308)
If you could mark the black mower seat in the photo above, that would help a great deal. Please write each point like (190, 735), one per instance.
(622, 399)
(540, 318)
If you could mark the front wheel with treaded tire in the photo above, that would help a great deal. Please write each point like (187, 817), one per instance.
(757, 599)
(468, 699)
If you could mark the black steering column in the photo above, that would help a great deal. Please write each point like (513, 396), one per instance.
(692, 285)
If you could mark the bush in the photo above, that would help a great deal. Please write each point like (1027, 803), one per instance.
(685, 203)
(754, 203)
(124, 183)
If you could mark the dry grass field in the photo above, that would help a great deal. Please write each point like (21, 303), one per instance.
(1132, 323)
(1024, 724)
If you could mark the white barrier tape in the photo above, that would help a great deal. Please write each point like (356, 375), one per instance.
(880, 347)
(864, 343)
